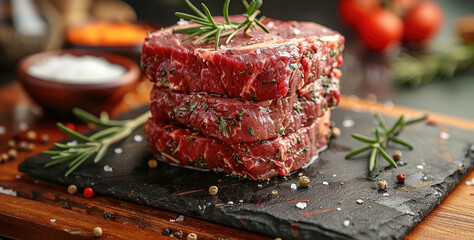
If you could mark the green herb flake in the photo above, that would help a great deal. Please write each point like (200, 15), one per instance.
(223, 128)
(281, 131)
(254, 96)
(267, 82)
(304, 149)
(242, 112)
(293, 67)
(195, 104)
(250, 129)
(172, 71)
(297, 108)
(249, 64)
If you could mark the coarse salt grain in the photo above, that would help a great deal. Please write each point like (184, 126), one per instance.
(325, 183)
(419, 166)
(347, 123)
(118, 150)
(69, 68)
(52, 220)
(386, 194)
(301, 205)
(108, 168)
(444, 135)
(293, 186)
(338, 209)
(182, 22)
(138, 138)
(346, 223)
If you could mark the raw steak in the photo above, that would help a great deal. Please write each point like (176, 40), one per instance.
(256, 160)
(258, 67)
(234, 120)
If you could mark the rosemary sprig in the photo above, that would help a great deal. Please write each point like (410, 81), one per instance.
(212, 30)
(383, 136)
(442, 62)
(96, 144)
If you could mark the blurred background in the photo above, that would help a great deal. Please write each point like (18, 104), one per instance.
(385, 58)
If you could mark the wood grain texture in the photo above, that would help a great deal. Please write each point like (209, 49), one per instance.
(29, 215)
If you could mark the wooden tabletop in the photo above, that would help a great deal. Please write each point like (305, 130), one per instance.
(42, 210)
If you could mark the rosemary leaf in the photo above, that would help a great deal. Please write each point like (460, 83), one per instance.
(358, 151)
(396, 126)
(401, 142)
(101, 153)
(77, 136)
(225, 11)
(195, 9)
(381, 121)
(373, 157)
(363, 138)
(387, 157)
(416, 120)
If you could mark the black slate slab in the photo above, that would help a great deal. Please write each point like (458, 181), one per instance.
(433, 169)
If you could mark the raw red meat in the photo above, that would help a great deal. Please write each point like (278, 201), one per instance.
(256, 160)
(234, 120)
(258, 67)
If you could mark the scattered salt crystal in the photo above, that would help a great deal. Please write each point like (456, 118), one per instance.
(360, 201)
(241, 201)
(77, 69)
(3, 130)
(419, 166)
(342, 183)
(258, 51)
(8, 191)
(346, 223)
(293, 186)
(270, 24)
(180, 218)
(138, 138)
(108, 168)
(334, 175)
(386, 194)
(230, 202)
(301, 205)
(338, 209)
(347, 123)
(444, 135)
(118, 150)
(52, 220)
(325, 183)
(410, 213)
(182, 22)
(23, 126)
(296, 31)
(468, 183)
(18, 176)
(260, 185)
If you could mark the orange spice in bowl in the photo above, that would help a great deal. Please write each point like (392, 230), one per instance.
(108, 34)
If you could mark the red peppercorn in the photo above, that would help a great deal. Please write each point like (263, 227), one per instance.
(70, 126)
(88, 192)
(401, 177)
(431, 122)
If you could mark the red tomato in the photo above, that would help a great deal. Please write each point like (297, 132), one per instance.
(381, 30)
(350, 11)
(422, 22)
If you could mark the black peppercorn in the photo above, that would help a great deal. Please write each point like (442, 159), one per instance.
(166, 231)
(108, 216)
(178, 234)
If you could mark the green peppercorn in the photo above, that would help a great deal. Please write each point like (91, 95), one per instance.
(192, 236)
(3, 157)
(11, 143)
(31, 136)
(97, 231)
(335, 132)
(303, 181)
(72, 189)
(213, 190)
(12, 154)
(397, 155)
(152, 163)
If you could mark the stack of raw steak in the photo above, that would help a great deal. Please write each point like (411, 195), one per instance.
(257, 107)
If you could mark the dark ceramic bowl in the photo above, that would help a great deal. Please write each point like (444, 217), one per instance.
(59, 98)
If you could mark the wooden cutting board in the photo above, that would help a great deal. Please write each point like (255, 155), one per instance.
(433, 169)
